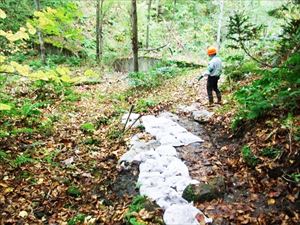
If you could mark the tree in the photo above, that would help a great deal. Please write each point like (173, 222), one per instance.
(99, 30)
(134, 34)
(148, 23)
(40, 35)
(220, 24)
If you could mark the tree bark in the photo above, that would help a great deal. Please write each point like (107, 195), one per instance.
(157, 9)
(220, 24)
(148, 23)
(99, 30)
(40, 35)
(135, 47)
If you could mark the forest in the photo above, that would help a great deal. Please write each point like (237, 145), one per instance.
(107, 117)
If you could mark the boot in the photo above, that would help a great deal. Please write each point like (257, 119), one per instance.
(210, 102)
(219, 99)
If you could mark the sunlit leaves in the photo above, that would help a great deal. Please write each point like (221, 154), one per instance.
(59, 26)
(2, 14)
(4, 107)
(90, 73)
(2, 58)
(31, 29)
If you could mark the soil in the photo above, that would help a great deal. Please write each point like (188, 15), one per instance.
(251, 197)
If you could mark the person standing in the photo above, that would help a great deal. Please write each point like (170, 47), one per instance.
(213, 73)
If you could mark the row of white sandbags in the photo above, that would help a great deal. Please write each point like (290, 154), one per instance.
(163, 176)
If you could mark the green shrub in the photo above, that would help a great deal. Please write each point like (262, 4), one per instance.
(278, 88)
(79, 218)
(21, 160)
(103, 120)
(271, 152)
(143, 80)
(71, 95)
(91, 141)
(74, 191)
(3, 155)
(155, 76)
(138, 203)
(87, 127)
(295, 177)
(143, 105)
(115, 133)
(248, 156)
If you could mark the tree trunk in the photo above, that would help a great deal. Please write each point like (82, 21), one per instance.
(148, 23)
(134, 35)
(99, 30)
(220, 24)
(40, 35)
(157, 9)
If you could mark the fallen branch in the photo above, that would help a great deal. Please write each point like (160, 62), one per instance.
(133, 124)
(153, 49)
(129, 114)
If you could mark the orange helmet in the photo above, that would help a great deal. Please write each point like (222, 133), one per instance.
(211, 51)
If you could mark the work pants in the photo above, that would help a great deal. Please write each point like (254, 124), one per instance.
(212, 85)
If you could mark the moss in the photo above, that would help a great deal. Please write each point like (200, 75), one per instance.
(189, 194)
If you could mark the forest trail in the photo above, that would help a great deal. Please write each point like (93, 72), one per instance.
(80, 178)
(62, 107)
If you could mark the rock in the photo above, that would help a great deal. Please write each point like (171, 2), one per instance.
(23, 214)
(68, 161)
(205, 192)
(189, 109)
(202, 116)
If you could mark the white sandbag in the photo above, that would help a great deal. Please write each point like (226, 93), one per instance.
(151, 179)
(166, 150)
(151, 165)
(143, 156)
(166, 160)
(181, 214)
(169, 199)
(155, 193)
(179, 183)
(176, 168)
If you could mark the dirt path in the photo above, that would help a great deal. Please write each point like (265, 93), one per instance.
(74, 174)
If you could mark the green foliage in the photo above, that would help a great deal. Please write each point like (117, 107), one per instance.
(18, 12)
(103, 120)
(155, 76)
(87, 127)
(237, 68)
(22, 160)
(144, 104)
(91, 141)
(136, 206)
(74, 191)
(3, 155)
(78, 219)
(115, 133)
(52, 61)
(59, 27)
(271, 152)
(248, 156)
(49, 158)
(143, 80)
(241, 31)
(295, 177)
(278, 88)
